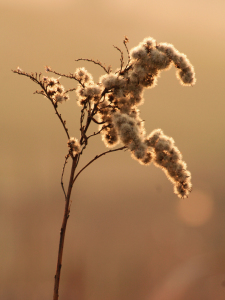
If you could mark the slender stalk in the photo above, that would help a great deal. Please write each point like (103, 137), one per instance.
(66, 215)
(121, 119)
(63, 230)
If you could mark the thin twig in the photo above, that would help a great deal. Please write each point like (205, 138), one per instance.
(66, 159)
(121, 57)
(97, 122)
(125, 41)
(96, 133)
(69, 90)
(96, 157)
(45, 93)
(97, 62)
(71, 76)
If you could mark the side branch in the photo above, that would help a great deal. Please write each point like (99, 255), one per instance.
(121, 57)
(98, 132)
(70, 90)
(95, 158)
(62, 121)
(63, 170)
(95, 121)
(44, 92)
(71, 76)
(125, 41)
(97, 62)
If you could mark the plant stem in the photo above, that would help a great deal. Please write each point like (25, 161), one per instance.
(63, 229)
(66, 215)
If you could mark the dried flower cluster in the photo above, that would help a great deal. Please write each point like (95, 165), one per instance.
(113, 104)
(55, 89)
(123, 93)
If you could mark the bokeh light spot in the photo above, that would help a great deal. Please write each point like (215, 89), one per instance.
(197, 209)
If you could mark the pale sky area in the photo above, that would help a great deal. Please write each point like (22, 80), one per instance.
(129, 237)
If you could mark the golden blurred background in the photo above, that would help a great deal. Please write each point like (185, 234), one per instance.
(129, 236)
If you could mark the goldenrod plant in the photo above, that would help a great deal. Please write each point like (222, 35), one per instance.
(112, 103)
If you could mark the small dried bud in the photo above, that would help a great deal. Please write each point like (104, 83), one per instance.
(19, 70)
(48, 69)
(74, 145)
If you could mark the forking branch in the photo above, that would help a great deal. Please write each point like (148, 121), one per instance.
(112, 104)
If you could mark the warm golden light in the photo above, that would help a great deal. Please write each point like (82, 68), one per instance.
(197, 209)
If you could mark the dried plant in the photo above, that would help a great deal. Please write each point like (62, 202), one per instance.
(112, 103)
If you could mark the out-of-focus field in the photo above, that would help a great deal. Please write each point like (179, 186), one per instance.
(129, 236)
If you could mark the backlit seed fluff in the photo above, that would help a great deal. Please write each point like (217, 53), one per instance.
(168, 49)
(164, 144)
(139, 52)
(92, 90)
(148, 158)
(159, 59)
(110, 137)
(123, 92)
(113, 104)
(110, 81)
(81, 74)
(74, 145)
(52, 81)
(175, 169)
(183, 189)
(140, 151)
(153, 137)
(149, 42)
(59, 98)
(186, 76)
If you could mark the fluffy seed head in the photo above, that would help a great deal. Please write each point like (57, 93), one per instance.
(81, 74)
(74, 145)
